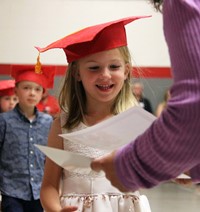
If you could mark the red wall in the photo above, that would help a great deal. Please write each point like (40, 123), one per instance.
(142, 72)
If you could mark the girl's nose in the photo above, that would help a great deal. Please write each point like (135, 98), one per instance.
(105, 73)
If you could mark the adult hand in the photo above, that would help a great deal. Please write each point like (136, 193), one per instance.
(184, 182)
(106, 164)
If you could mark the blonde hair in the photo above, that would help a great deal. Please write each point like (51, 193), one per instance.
(72, 98)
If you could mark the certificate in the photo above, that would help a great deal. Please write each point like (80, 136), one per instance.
(65, 158)
(114, 132)
(107, 135)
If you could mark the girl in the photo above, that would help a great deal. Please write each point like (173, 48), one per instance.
(8, 99)
(96, 87)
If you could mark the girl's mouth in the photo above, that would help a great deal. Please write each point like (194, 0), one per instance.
(105, 87)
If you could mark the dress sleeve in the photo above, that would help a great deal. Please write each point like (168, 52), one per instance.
(171, 145)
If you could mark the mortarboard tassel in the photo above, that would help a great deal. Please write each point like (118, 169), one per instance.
(38, 66)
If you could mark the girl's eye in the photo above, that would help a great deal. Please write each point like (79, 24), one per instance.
(94, 68)
(114, 66)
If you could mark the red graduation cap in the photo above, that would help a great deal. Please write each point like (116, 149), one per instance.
(93, 39)
(7, 87)
(43, 76)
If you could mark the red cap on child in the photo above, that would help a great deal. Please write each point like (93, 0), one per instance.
(43, 76)
(93, 39)
(7, 87)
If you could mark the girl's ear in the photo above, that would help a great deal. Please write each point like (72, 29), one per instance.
(76, 74)
(128, 69)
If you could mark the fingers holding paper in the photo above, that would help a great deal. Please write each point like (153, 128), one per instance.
(184, 179)
(106, 164)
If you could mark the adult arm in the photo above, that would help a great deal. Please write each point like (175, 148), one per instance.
(171, 145)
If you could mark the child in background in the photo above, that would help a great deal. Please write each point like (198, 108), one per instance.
(96, 87)
(8, 99)
(21, 164)
(49, 104)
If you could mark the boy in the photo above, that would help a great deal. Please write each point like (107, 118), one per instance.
(21, 164)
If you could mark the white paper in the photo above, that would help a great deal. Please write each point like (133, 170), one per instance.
(107, 135)
(64, 158)
(114, 132)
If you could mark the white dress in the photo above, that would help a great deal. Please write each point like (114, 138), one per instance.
(91, 191)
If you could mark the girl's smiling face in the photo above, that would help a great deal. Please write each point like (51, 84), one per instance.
(102, 75)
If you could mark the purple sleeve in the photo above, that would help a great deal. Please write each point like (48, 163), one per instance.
(172, 144)
(195, 174)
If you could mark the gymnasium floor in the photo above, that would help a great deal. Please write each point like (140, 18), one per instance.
(170, 197)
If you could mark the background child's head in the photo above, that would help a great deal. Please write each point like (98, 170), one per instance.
(8, 99)
(31, 82)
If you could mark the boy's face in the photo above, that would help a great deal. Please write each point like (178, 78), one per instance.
(29, 93)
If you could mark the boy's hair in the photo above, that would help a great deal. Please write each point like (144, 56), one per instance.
(72, 98)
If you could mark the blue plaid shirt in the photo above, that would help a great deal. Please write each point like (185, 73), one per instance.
(21, 163)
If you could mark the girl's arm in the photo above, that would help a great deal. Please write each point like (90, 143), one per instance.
(50, 188)
(49, 194)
